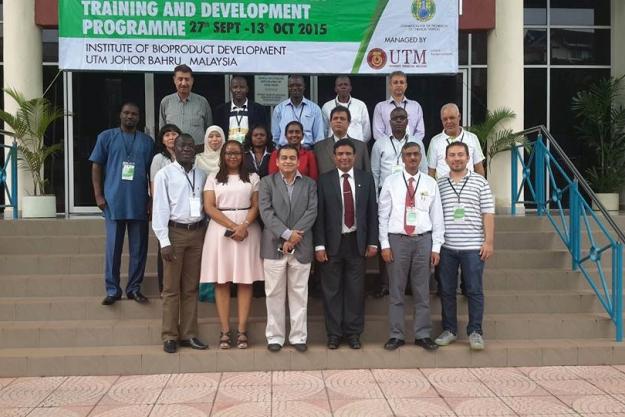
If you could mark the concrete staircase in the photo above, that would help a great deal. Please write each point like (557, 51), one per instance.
(538, 312)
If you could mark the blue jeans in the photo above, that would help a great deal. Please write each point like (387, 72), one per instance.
(472, 268)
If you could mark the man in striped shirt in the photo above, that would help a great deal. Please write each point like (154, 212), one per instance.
(468, 210)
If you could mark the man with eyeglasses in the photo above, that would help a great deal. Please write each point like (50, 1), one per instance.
(178, 223)
(385, 160)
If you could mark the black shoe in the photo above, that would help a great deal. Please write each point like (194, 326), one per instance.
(194, 343)
(300, 347)
(170, 346)
(138, 297)
(380, 292)
(393, 343)
(334, 342)
(426, 343)
(109, 300)
(274, 347)
(354, 342)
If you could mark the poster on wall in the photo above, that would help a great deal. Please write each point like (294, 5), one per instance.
(253, 36)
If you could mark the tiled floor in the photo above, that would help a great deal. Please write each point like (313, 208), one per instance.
(594, 391)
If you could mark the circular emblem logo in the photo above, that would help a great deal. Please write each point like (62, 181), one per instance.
(423, 10)
(376, 58)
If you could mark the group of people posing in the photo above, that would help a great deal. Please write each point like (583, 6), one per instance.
(238, 202)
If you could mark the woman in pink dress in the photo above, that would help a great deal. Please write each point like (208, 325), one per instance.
(231, 251)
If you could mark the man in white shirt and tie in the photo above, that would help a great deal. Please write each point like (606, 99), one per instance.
(411, 234)
(179, 224)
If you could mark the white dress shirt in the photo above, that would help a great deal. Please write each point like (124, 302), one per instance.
(438, 147)
(172, 194)
(359, 126)
(429, 211)
(386, 156)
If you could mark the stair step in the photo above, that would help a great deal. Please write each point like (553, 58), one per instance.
(80, 333)
(150, 359)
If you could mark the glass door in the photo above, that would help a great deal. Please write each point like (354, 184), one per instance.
(94, 100)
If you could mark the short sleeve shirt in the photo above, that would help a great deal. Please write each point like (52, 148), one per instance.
(125, 199)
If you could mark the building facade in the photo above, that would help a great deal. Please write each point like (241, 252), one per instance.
(533, 57)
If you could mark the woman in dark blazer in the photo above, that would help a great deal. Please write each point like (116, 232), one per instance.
(258, 148)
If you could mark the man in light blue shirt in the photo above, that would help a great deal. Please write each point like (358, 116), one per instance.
(299, 108)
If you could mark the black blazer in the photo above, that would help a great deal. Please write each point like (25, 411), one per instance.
(263, 169)
(257, 115)
(329, 224)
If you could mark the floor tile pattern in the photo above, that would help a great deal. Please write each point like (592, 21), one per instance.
(593, 391)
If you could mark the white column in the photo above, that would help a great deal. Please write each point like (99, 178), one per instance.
(617, 36)
(505, 88)
(22, 65)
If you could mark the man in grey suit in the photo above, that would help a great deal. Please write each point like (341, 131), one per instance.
(288, 208)
(340, 117)
(343, 242)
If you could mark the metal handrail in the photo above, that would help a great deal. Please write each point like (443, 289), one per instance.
(542, 163)
(10, 161)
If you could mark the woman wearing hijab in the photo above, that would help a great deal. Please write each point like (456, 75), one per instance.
(208, 161)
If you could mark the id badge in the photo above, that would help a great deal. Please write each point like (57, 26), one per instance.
(196, 205)
(238, 136)
(458, 213)
(397, 168)
(128, 171)
(411, 216)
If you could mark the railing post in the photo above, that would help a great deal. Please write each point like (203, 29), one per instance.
(14, 175)
(574, 226)
(515, 180)
(617, 289)
(539, 174)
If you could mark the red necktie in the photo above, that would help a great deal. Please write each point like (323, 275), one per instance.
(348, 202)
(410, 192)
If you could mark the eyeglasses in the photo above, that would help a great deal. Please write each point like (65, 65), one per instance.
(233, 154)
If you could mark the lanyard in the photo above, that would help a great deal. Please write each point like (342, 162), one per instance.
(191, 184)
(397, 155)
(459, 140)
(299, 118)
(238, 112)
(396, 106)
(132, 144)
(337, 103)
(408, 188)
(255, 161)
(461, 188)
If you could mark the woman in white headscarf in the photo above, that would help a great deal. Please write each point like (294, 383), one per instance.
(208, 161)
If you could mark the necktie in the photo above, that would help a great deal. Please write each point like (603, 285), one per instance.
(348, 202)
(410, 192)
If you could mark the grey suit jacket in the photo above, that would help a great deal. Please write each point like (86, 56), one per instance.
(324, 152)
(279, 213)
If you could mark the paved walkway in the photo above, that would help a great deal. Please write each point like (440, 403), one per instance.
(597, 391)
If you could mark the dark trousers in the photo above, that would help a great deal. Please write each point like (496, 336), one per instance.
(159, 269)
(472, 269)
(138, 248)
(182, 277)
(343, 289)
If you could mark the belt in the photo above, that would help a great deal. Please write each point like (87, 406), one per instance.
(187, 226)
(233, 209)
(419, 235)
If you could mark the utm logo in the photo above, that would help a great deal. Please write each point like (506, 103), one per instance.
(423, 10)
(376, 58)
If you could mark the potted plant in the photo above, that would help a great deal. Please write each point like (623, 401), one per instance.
(601, 126)
(29, 124)
(494, 139)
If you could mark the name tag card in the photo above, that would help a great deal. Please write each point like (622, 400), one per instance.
(128, 171)
(196, 206)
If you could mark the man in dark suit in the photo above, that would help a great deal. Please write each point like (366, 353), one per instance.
(288, 207)
(343, 242)
(340, 118)
(238, 116)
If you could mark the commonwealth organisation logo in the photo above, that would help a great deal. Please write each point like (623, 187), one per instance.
(376, 58)
(423, 10)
